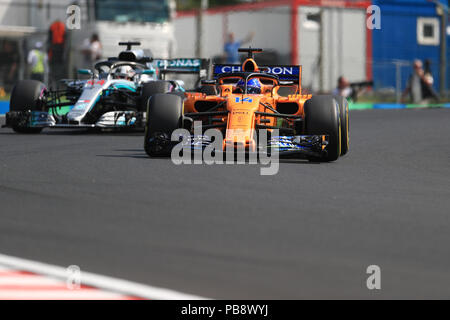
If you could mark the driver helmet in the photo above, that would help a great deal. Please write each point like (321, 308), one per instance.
(253, 86)
(124, 72)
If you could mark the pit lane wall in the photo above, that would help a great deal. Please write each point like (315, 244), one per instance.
(289, 28)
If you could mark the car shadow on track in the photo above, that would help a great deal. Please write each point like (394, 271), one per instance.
(134, 156)
(126, 153)
(93, 133)
(140, 154)
(77, 132)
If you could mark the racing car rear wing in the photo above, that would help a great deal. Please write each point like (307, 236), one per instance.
(184, 66)
(284, 72)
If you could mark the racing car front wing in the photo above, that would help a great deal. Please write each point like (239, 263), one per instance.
(40, 119)
(298, 146)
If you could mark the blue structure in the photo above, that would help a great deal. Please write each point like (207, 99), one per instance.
(4, 107)
(409, 30)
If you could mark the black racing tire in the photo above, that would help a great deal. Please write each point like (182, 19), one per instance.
(345, 124)
(164, 115)
(27, 95)
(151, 88)
(322, 118)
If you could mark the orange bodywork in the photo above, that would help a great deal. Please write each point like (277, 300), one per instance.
(240, 115)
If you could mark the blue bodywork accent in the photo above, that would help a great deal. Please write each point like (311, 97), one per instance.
(123, 86)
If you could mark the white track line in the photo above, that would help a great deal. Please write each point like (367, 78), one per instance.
(17, 284)
(27, 280)
(59, 295)
(98, 281)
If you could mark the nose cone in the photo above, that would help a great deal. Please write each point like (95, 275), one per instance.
(241, 122)
(240, 139)
(75, 116)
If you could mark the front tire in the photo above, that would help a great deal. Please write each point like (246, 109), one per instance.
(27, 95)
(343, 115)
(322, 118)
(164, 115)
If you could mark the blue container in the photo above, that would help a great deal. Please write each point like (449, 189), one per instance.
(398, 40)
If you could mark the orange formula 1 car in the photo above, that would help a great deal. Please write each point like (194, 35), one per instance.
(244, 100)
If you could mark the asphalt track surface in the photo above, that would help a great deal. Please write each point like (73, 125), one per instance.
(225, 231)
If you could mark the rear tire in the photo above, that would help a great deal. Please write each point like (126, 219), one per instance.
(164, 115)
(27, 95)
(322, 118)
(343, 115)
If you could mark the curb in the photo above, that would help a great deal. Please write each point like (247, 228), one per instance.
(27, 279)
(19, 284)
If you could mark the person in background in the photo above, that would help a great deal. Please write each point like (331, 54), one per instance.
(232, 45)
(92, 51)
(57, 51)
(343, 88)
(427, 71)
(9, 59)
(350, 90)
(429, 94)
(37, 62)
(420, 85)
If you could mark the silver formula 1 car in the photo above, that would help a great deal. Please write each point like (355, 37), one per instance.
(115, 96)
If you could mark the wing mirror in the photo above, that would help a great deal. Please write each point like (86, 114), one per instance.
(85, 72)
(285, 88)
(209, 82)
(146, 71)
